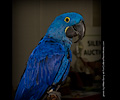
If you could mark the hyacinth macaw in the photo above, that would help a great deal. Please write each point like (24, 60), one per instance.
(48, 65)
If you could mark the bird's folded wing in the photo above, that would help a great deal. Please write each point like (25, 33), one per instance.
(42, 67)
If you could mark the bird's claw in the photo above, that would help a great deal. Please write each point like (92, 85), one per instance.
(54, 95)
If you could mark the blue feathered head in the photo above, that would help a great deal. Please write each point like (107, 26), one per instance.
(67, 26)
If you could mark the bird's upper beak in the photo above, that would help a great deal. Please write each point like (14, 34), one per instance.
(76, 30)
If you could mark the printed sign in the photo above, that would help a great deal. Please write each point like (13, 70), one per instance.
(91, 48)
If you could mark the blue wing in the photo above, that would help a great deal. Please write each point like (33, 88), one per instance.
(68, 66)
(42, 70)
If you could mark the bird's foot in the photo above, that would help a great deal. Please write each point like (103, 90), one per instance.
(54, 95)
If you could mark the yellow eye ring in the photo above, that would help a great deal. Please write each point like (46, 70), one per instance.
(67, 19)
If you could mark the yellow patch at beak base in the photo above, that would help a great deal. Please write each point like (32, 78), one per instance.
(66, 29)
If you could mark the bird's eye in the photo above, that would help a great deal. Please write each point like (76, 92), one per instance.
(67, 19)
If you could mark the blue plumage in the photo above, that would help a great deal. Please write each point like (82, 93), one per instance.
(49, 62)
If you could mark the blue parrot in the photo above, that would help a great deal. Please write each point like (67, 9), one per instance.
(49, 63)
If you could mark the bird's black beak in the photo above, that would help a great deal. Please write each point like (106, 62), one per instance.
(76, 30)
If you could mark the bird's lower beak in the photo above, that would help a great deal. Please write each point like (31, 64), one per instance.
(76, 30)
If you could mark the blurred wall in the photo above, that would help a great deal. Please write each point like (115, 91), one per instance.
(25, 35)
(30, 21)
